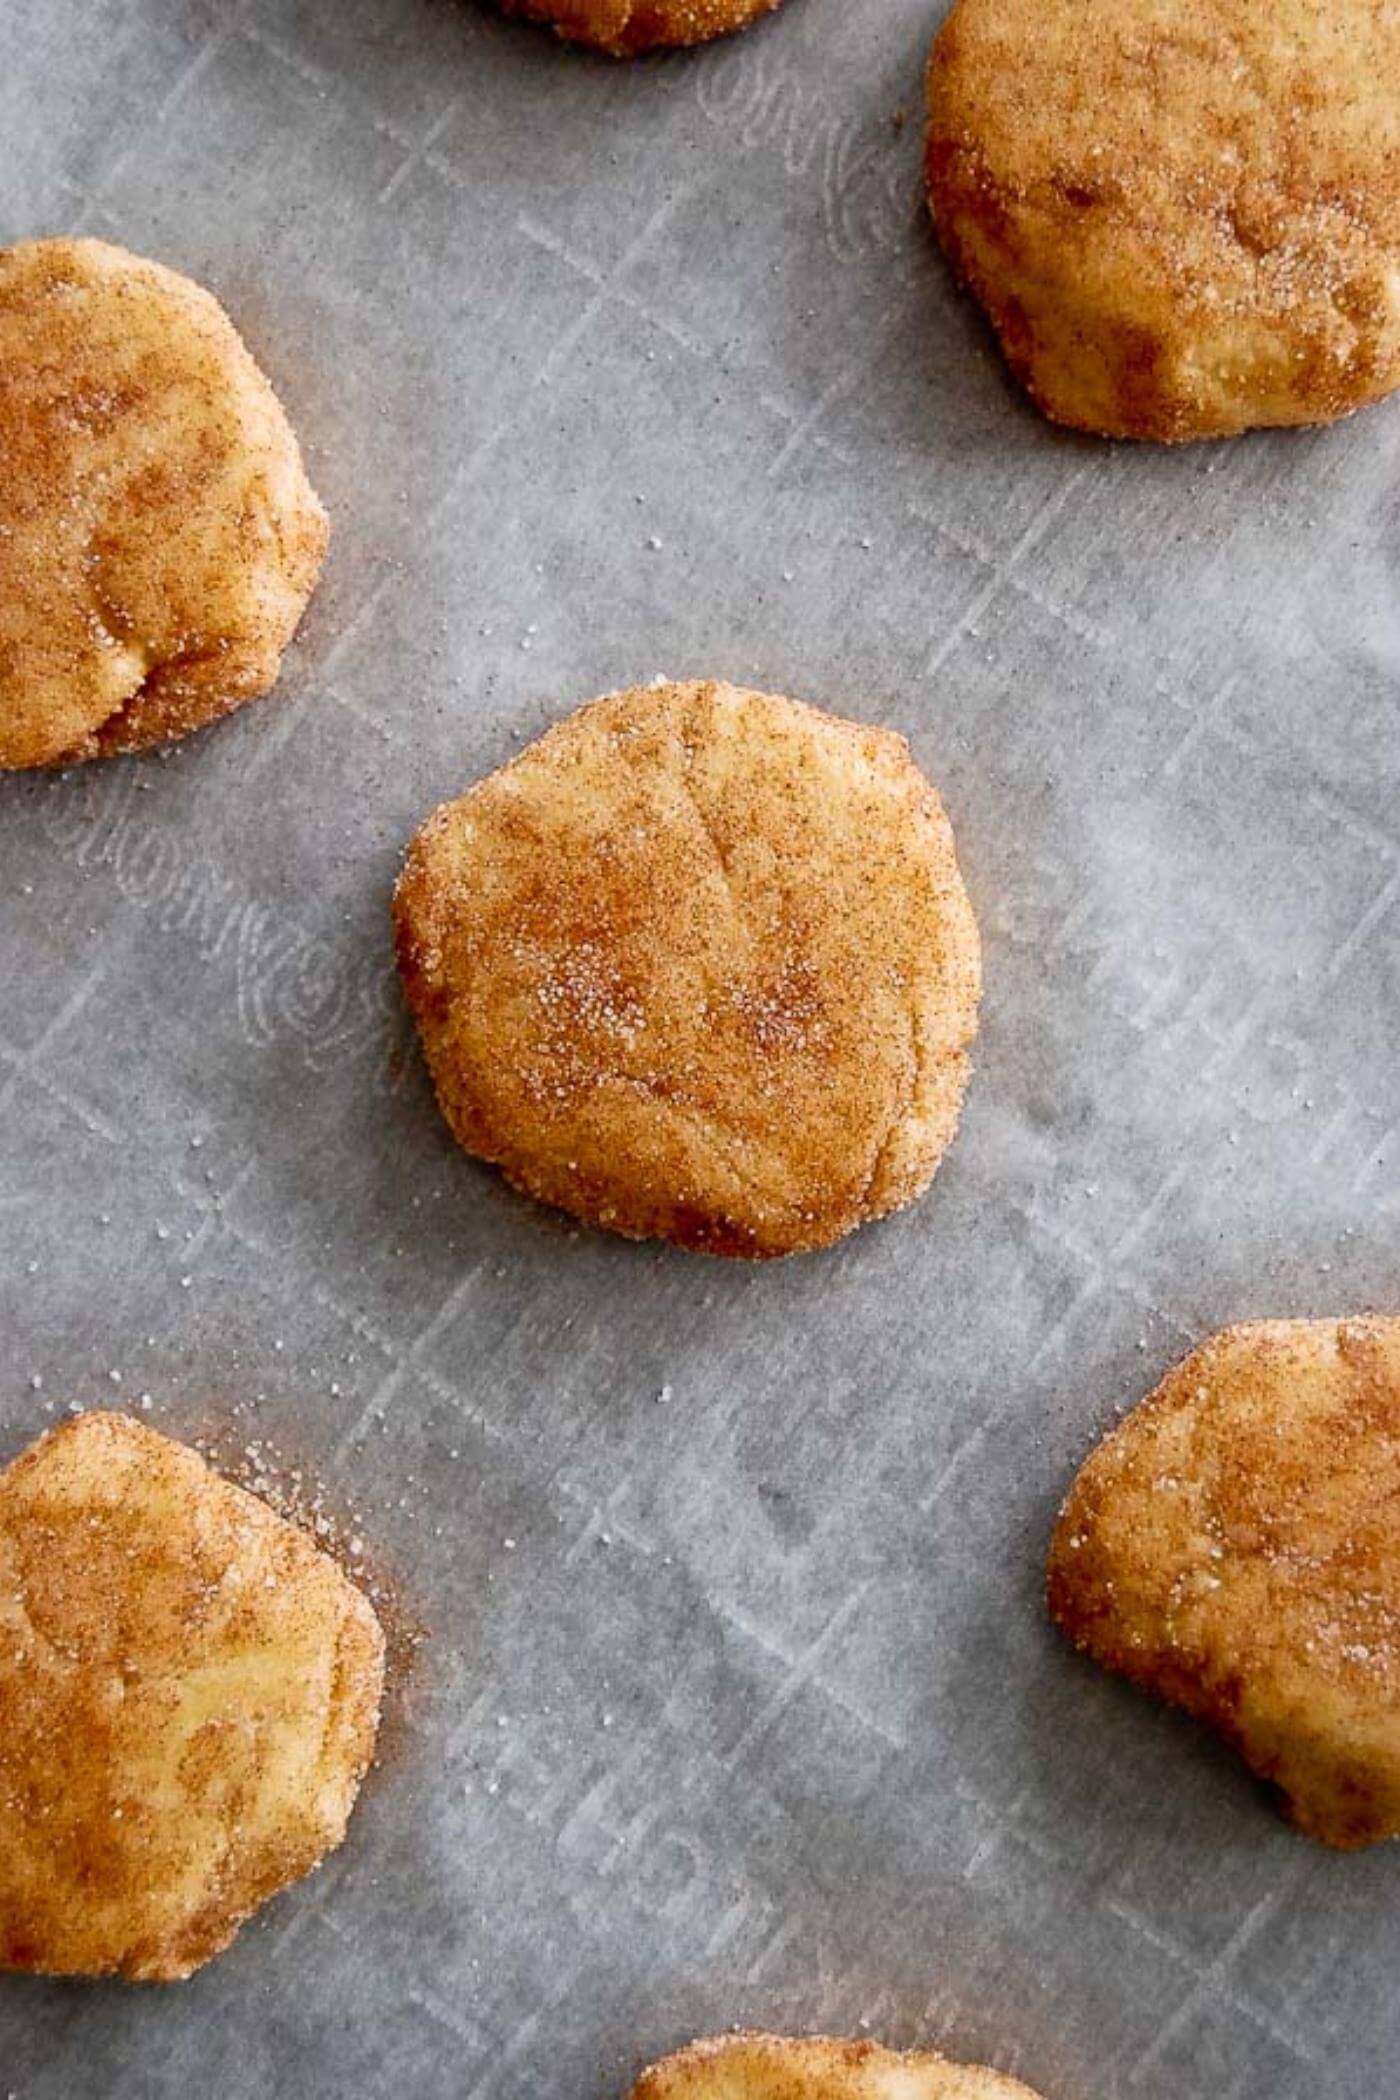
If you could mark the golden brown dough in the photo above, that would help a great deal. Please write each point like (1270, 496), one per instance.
(189, 1694)
(698, 965)
(1183, 216)
(626, 28)
(768, 2067)
(1234, 1547)
(158, 536)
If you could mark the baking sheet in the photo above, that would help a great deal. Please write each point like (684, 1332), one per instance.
(737, 1704)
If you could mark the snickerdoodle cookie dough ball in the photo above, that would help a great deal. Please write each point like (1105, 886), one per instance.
(626, 28)
(190, 1696)
(1233, 1547)
(159, 538)
(698, 965)
(1182, 216)
(770, 2067)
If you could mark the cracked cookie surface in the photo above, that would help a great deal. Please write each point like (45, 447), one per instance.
(627, 28)
(698, 965)
(159, 538)
(1182, 216)
(771, 2067)
(190, 1692)
(1233, 1547)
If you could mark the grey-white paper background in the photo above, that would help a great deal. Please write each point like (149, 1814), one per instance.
(757, 1719)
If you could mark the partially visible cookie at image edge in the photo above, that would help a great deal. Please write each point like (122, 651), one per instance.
(774, 2067)
(190, 1694)
(1233, 1547)
(1181, 216)
(159, 538)
(627, 28)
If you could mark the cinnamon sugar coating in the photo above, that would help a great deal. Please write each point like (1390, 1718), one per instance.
(159, 538)
(1182, 216)
(698, 965)
(1233, 1547)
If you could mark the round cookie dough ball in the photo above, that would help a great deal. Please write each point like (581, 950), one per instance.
(158, 535)
(698, 965)
(190, 1692)
(1183, 216)
(770, 2067)
(626, 28)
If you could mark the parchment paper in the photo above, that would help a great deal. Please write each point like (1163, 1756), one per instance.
(737, 1704)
